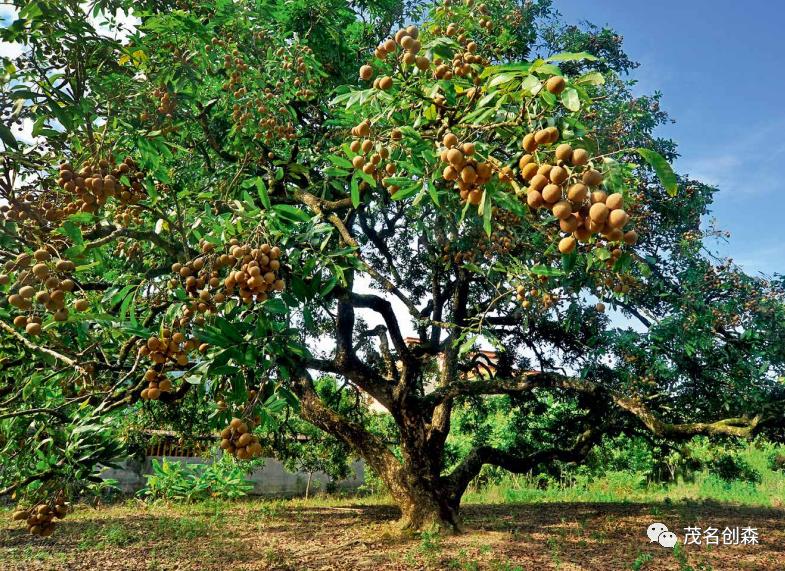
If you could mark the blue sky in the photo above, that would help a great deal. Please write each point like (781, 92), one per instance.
(718, 64)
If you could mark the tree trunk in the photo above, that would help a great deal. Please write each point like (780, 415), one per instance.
(426, 499)
(424, 509)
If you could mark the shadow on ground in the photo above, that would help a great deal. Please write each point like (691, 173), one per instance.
(254, 535)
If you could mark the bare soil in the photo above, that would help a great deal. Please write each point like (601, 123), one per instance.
(352, 535)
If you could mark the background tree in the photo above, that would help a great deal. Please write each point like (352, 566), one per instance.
(214, 205)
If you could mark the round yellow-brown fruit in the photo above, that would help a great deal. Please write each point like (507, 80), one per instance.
(598, 213)
(578, 192)
(562, 210)
(567, 245)
(366, 72)
(618, 218)
(592, 178)
(552, 193)
(534, 198)
(564, 152)
(579, 157)
(614, 201)
(528, 171)
(558, 175)
(555, 84)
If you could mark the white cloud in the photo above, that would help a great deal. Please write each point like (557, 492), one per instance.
(738, 168)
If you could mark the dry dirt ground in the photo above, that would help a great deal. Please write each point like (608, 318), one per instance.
(352, 535)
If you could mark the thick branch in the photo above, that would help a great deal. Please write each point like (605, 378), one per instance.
(358, 373)
(459, 479)
(52, 411)
(385, 309)
(116, 232)
(740, 426)
(315, 204)
(43, 350)
(371, 448)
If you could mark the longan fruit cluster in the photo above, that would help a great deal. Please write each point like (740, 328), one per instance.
(40, 518)
(463, 64)
(128, 215)
(522, 294)
(273, 123)
(257, 272)
(93, 184)
(221, 404)
(237, 440)
(484, 21)
(618, 283)
(253, 274)
(270, 120)
(166, 103)
(169, 350)
(32, 210)
(479, 14)
(463, 169)
(457, 256)
(407, 39)
(85, 191)
(373, 157)
(292, 63)
(235, 66)
(128, 250)
(528, 297)
(503, 240)
(42, 282)
(569, 189)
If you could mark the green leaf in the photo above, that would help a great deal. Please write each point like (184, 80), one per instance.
(540, 66)
(467, 345)
(340, 161)
(503, 78)
(572, 56)
(8, 137)
(291, 212)
(494, 69)
(355, 191)
(261, 189)
(336, 172)
(31, 11)
(487, 211)
(592, 78)
(570, 99)
(532, 84)
(434, 194)
(548, 97)
(72, 231)
(540, 270)
(406, 192)
(662, 168)
(486, 99)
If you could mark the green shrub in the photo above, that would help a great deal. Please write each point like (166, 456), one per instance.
(777, 461)
(730, 466)
(177, 481)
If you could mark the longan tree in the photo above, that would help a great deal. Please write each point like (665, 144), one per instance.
(219, 200)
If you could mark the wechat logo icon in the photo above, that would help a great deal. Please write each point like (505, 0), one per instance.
(658, 532)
